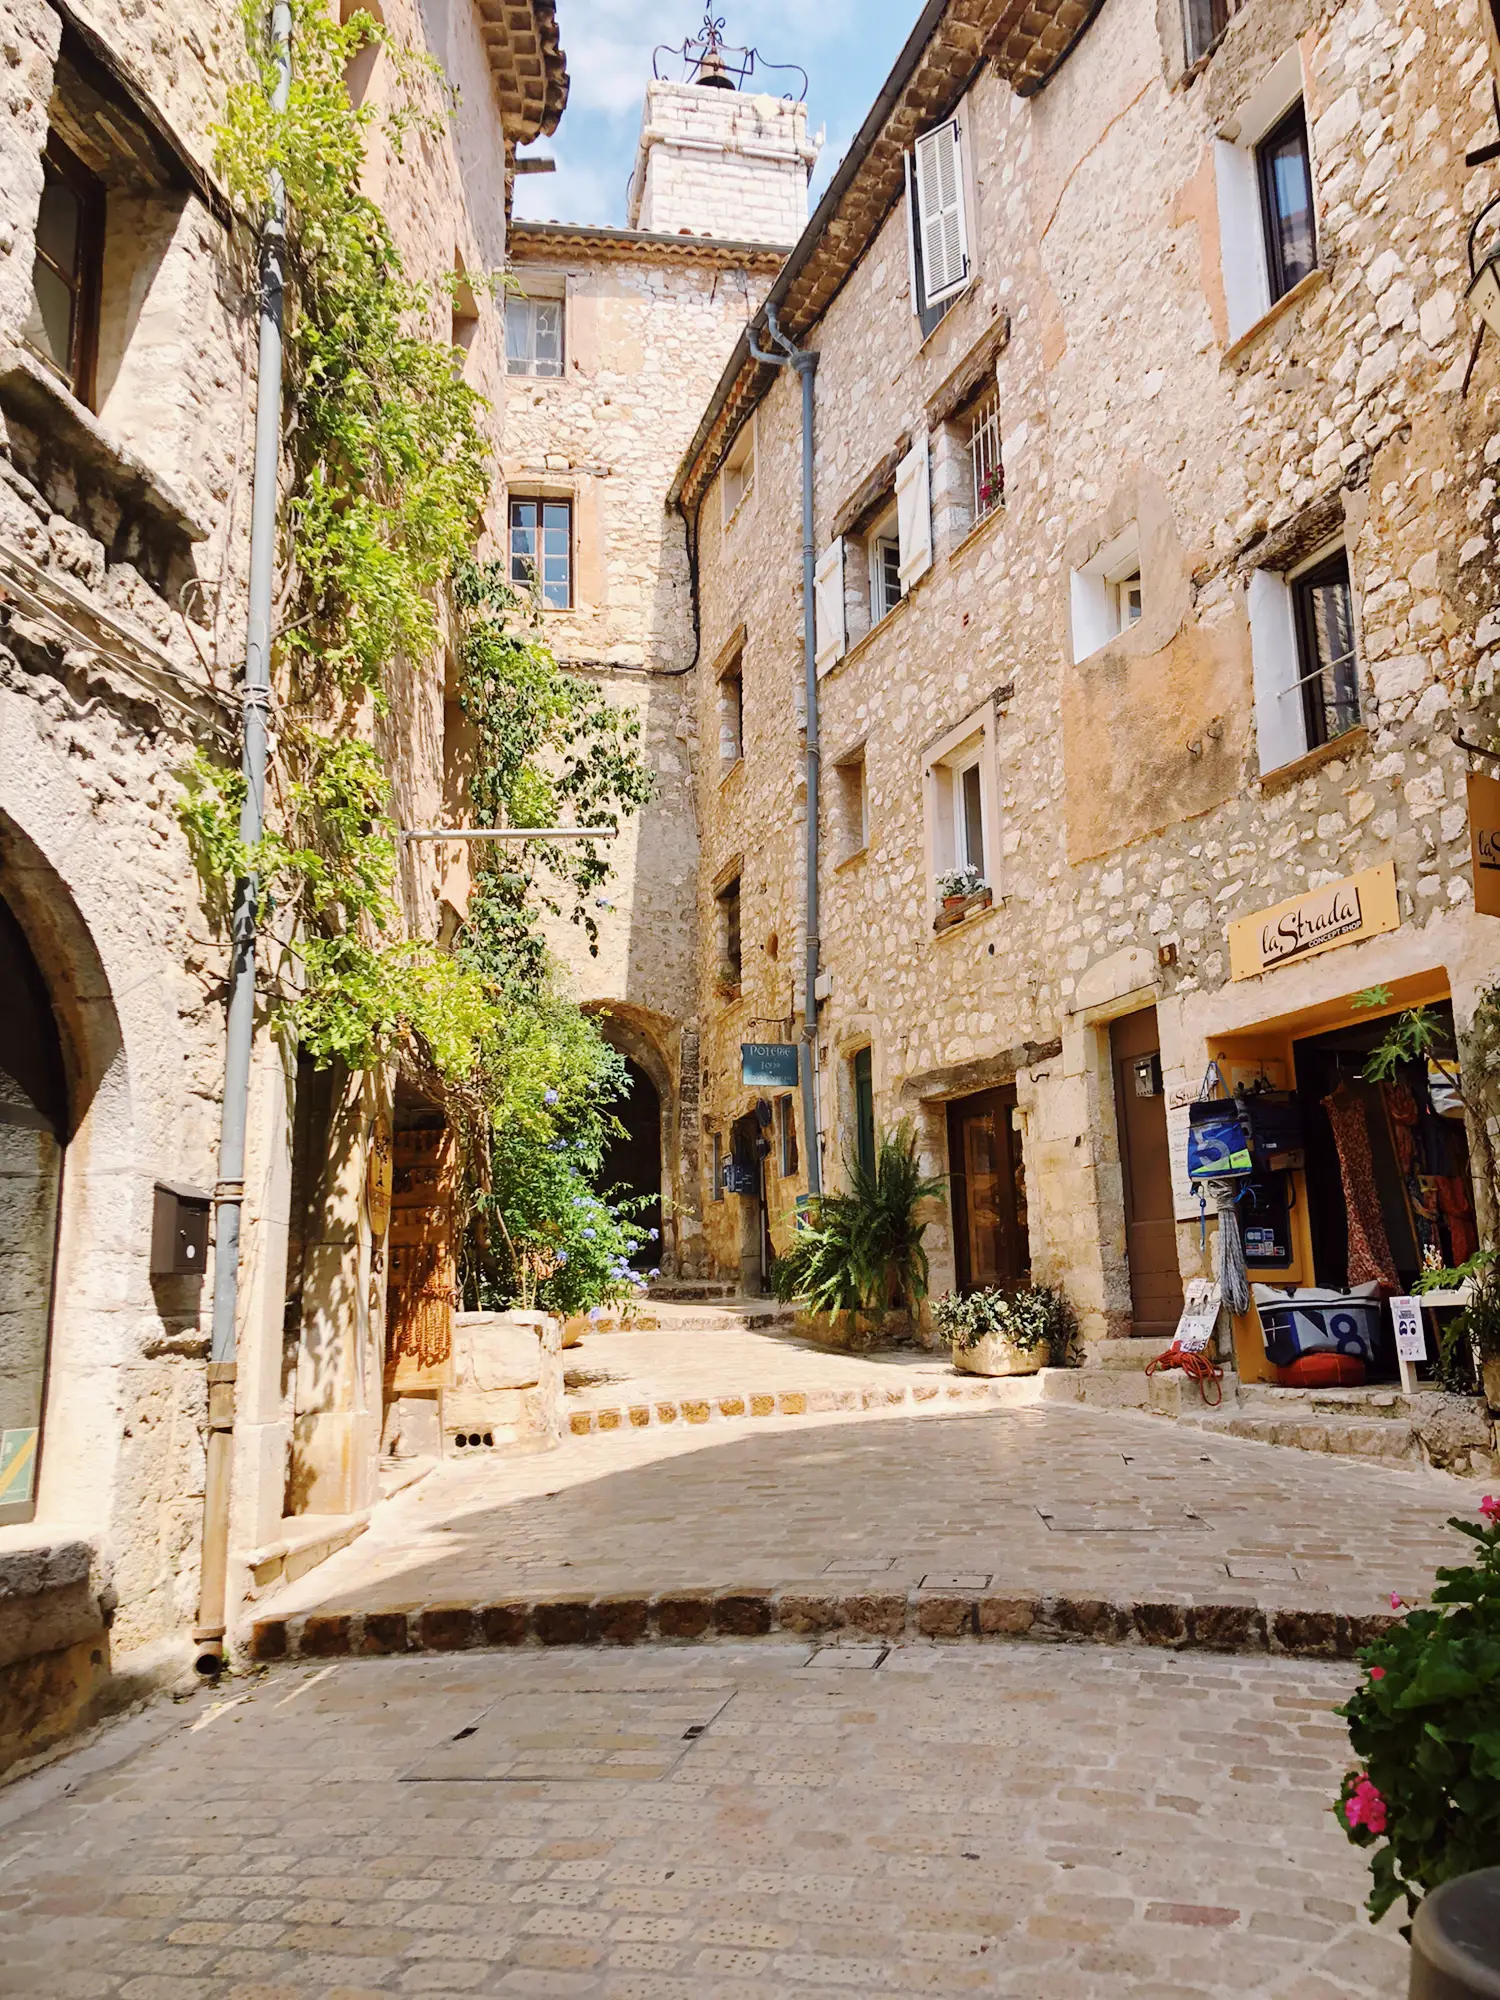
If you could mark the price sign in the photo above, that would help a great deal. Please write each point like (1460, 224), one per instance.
(1411, 1340)
(1200, 1313)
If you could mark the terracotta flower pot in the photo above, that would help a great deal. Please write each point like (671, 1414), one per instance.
(995, 1355)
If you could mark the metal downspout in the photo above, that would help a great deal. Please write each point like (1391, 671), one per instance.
(805, 361)
(229, 1192)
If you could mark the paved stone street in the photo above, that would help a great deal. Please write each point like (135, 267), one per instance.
(752, 1821)
(1035, 1501)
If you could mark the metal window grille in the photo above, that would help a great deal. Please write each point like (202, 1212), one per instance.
(986, 469)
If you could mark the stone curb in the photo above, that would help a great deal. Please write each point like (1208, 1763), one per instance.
(731, 1408)
(805, 1611)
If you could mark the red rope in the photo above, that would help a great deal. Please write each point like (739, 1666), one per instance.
(1197, 1366)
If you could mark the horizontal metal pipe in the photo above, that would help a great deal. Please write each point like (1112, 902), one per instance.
(510, 833)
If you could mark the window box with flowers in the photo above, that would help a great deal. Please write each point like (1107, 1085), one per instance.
(961, 891)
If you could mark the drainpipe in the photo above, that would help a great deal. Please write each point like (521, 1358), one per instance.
(229, 1193)
(805, 361)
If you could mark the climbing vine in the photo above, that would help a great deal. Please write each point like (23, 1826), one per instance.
(384, 479)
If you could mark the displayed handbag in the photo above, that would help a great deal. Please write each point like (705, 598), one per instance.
(1218, 1133)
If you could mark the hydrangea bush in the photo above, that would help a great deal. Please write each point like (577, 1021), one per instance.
(1425, 1725)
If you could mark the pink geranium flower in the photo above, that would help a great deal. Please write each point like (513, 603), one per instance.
(1365, 1807)
(1396, 1602)
(1377, 1673)
(1489, 1506)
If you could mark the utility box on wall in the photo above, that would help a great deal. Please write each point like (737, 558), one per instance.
(179, 1231)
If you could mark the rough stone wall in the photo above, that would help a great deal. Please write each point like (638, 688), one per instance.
(720, 163)
(646, 334)
(122, 558)
(1132, 814)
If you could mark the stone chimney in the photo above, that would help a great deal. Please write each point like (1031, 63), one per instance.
(716, 161)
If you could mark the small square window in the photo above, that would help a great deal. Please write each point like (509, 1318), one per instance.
(1107, 595)
(541, 549)
(1126, 594)
(533, 336)
(986, 471)
(62, 327)
(1286, 195)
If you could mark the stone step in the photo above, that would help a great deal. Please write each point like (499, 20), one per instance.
(745, 1406)
(819, 1613)
(1389, 1441)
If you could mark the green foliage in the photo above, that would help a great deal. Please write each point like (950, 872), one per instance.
(863, 1249)
(1028, 1316)
(388, 461)
(1425, 1724)
(551, 750)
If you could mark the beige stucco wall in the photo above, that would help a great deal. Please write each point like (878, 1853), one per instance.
(1131, 812)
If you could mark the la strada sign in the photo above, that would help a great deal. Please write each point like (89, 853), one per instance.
(1361, 906)
(1484, 835)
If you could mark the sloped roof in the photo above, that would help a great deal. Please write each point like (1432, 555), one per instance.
(528, 65)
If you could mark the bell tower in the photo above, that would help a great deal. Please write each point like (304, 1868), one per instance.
(718, 157)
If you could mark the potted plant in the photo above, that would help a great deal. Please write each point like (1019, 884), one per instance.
(860, 1252)
(1013, 1331)
(727, 982)
(1425, 1796)
(960, 889)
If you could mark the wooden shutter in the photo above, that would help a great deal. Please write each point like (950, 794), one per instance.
(1280, 732)
(943, 231)
(828, 604)
(914, 513)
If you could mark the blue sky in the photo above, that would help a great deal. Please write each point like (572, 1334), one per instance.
(846, 46)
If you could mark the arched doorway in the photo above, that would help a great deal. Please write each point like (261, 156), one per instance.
(632, 1161)
(33, 1133)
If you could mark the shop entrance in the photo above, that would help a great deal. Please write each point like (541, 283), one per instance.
(748, 1149)
(1146, 1171)
(632, 1162)
(1389, 1193)
(987, 1186)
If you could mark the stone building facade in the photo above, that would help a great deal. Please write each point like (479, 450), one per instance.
(637, 324)
(1155, 566)
(127, 388)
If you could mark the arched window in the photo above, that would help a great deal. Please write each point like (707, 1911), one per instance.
(33, 1134)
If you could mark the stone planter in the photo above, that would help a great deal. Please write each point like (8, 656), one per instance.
(995, 1355)
(857, 1332)
(507, 1382)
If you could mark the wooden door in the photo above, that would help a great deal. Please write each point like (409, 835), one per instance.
(987, 1186)
(1146, 1166)
(424, 1275)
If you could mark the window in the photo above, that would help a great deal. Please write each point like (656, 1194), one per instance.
(62, 326)
(1305, 656)
(738, 482)
(786, 1137)
(862, 1077)
(731, 715)
(851, 805)
(1285, 171)
(986, 473)
(1267, 216)
(1328, 670)
(1106, 594)
(534, 336)
(730, 959)
(961, 819)
(1206, 21)
(937, 222)
(884, 548)
(541, 549)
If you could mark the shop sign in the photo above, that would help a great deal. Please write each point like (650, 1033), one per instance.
(1484, 841)
(768, 1065)
(1411, 1342)
(379, 1177)
(17, 1464)
(1361, 906)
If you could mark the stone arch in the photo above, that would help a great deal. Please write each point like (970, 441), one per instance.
(96, 933)
(650, 1041)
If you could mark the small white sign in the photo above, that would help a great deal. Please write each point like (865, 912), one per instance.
(1411, 1341)
(1200, 1315)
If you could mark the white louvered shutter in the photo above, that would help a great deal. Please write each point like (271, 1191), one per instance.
(943, 228)
(828, 604)
(914, 513)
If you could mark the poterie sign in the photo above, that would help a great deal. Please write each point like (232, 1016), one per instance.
(1361, 906)
(768, 1065)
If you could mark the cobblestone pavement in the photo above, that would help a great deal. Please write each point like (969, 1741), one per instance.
(1045, 1498)
(1029, 1821)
